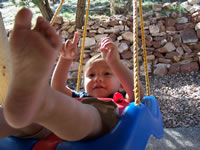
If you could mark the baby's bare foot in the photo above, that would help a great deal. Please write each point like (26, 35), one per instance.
(33, 54)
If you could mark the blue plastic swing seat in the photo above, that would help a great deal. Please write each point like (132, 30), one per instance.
(132, 131)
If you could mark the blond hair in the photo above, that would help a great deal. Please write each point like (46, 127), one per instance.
(92, 60)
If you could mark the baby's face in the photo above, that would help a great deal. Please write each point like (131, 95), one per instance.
(99, 80)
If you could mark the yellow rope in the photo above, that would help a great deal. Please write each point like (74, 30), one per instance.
(144, 49)
(82, 47)
(56, 13)
(83, 42)
(135, 55)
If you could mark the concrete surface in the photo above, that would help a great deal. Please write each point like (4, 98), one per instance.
(176, 139)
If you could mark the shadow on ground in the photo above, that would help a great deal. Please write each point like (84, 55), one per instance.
(176, 139)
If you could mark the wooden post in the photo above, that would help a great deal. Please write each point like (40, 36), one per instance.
(4, 62)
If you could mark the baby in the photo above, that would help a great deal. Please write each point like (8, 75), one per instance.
(102, 75)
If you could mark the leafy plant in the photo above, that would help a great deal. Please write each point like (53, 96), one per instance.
(13, 1)
(69, 15)
(147, 4)
(68, 1)
(177, 8)
(36, 2)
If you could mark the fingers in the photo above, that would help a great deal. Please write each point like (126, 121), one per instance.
(105, 39)
(69, 49)
(23, 19)
(75, 40)
(73, 43)
(62, 51)
(106, 44)
(67, 44)
(109, 50)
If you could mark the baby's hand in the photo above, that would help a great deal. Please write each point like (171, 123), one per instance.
(69, 49)
(109, 50)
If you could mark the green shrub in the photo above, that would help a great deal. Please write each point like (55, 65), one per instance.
(178, 8)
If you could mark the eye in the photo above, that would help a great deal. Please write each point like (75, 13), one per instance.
(107, 73)
(91, 75)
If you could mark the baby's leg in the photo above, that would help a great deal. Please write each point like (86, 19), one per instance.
(33, 54)
(6, 130)
(30, 99)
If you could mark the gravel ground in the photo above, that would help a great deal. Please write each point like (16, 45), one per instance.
(179, 98)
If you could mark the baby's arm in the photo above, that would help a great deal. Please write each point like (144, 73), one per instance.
(111, 56)
(60, 74)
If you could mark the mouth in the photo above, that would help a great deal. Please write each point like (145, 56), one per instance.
(98, 87)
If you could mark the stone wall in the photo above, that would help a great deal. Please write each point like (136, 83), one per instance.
(172, 39)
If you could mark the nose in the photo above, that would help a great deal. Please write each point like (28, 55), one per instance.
(98, 78)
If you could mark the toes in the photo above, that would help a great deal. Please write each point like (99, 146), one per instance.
(38, 24)
(54, 38)
(48, 32)
(23, 19)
